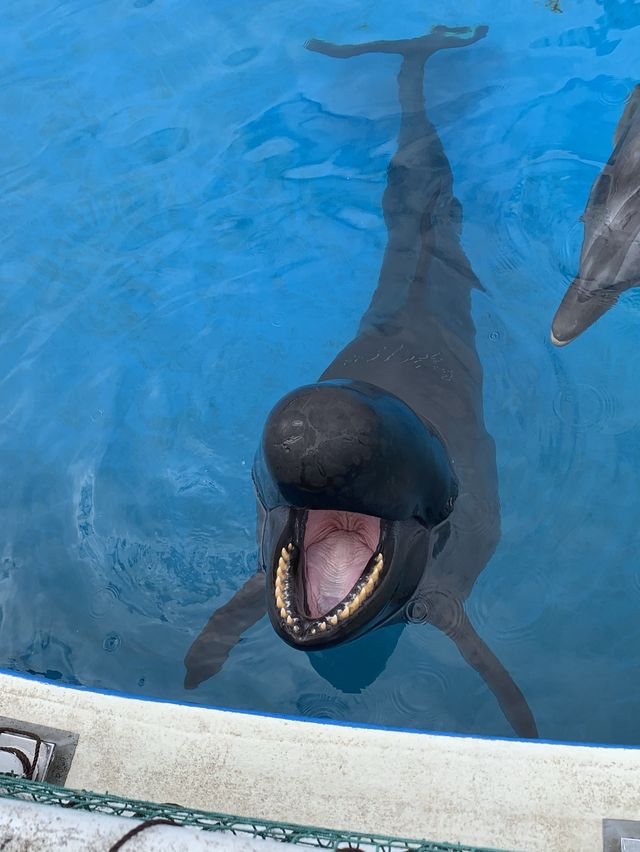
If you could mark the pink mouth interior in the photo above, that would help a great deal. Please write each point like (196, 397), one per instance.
(337, 548)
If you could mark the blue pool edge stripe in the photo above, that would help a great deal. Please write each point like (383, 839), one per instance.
(308, 719)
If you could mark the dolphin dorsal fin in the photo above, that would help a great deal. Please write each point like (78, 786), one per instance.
(628, 114)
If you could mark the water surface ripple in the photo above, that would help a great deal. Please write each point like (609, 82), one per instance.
(191, 226)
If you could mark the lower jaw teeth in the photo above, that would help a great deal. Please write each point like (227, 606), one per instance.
(283, 597)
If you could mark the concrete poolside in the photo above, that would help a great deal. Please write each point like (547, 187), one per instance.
(504, 794)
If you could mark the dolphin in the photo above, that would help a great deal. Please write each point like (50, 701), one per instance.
(377, 486)
(610, 257)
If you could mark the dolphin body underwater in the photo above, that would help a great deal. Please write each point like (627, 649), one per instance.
(377, 485)
(610, 257)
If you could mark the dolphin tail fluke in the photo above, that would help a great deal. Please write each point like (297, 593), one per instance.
(421, 48)
(222, 632)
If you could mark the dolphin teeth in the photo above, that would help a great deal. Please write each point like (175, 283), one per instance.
(377, 568)
(333, 619)
(323, 625)
(344, 613)
(282, 588)
(296, 628)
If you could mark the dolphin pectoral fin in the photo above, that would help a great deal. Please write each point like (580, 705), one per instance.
(222, 632)
(448, 615)
(509, 696)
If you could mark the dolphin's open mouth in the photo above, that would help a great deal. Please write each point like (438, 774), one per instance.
(329, 571)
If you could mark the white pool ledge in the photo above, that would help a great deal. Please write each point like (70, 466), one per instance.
(495, 793)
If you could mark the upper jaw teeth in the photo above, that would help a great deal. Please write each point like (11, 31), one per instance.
(362, 590)
(282, 589)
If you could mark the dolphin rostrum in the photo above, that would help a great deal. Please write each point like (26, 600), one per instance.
(610, 257)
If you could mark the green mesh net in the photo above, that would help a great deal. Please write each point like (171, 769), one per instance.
(49, 794)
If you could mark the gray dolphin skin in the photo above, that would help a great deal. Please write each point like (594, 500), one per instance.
(610, 257)
(377, 485)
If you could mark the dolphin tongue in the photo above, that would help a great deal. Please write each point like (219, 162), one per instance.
(338, 547)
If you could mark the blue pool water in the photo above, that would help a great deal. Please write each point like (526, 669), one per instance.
(191, 226)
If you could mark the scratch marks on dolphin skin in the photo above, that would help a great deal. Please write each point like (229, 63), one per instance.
(417, 360)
